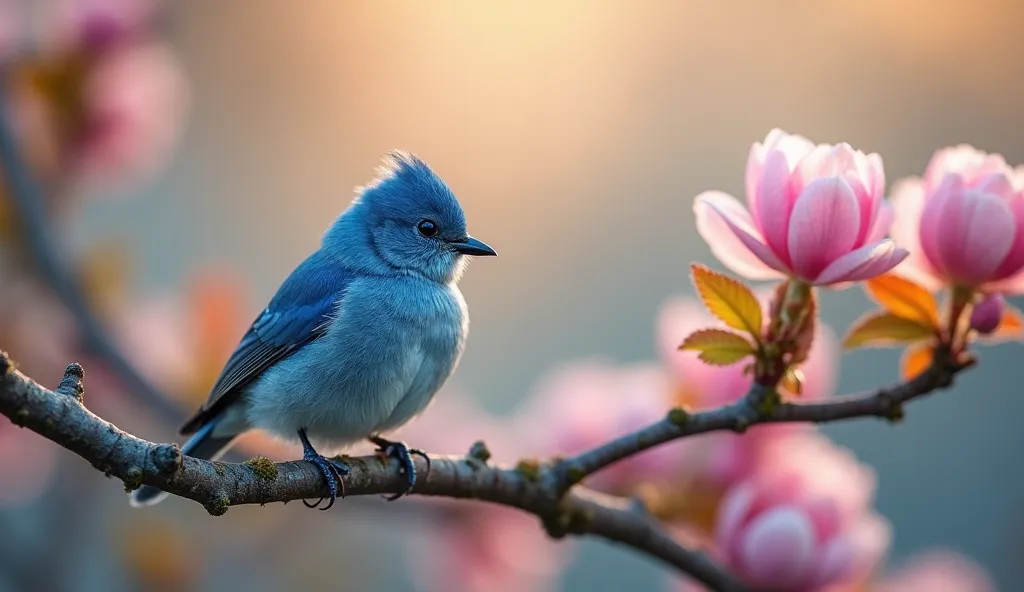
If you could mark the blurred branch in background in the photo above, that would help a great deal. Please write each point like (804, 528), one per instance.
(42, 242)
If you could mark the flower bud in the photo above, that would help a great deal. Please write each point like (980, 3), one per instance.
(988, 313)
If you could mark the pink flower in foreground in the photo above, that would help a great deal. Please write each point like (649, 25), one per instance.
(963, 222)
(477, 546)
(815, 213)
(937, 571)
(587, 403)
(802, 522)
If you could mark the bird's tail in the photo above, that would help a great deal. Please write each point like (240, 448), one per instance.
(203, 444)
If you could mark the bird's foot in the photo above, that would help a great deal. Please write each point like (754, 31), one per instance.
(332, 470)
(404, 454)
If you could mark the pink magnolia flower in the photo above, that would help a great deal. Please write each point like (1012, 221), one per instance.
(937, 571)
(477, 546)
(720, 459)
(963, 222)
(802, 521)
(586, 403)
(815, 213)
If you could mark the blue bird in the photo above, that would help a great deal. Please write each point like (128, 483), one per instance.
(358, 338)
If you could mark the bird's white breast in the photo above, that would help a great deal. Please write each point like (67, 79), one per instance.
(392, 345)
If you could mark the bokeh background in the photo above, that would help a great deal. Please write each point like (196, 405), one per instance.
(576, 135)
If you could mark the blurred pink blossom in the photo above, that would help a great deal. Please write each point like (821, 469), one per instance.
(27, 463)
(586, 403)
(937, 571)
(134, 102)
(963, 222)
(477, 546)
(99, 102)
(802, 521)
(96, 25)
(816, 213)
(155, 332)
(10, 25)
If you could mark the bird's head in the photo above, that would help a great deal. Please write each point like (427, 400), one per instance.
(413, 222)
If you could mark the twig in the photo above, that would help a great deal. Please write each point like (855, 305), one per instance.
(28, 202)
(62, 417)
(760, 406)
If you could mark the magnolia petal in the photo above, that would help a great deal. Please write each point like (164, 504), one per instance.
(729, 231)
(774, 203)
(778, 548)
(964, 161)
(856, 552)
(864, 263)
(882, 223)
(907, 201)
(1011, 285)
(931, 215)
(975, 231)
(998, 184)
(1014, 260)
(824, 225)
(733, 513)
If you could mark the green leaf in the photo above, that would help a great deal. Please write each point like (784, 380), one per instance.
(728, 299)
(718, 347)
(886, 328)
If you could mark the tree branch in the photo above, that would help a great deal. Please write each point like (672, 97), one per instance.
(62, 417)
(27, 198)
(762, 405)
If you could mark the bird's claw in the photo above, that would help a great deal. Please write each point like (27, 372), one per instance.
(332, 470)
(403, 454)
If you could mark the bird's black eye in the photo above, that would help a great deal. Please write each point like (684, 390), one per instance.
(427, 227)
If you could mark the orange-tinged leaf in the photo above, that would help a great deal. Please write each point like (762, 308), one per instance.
(718, 347)
(216, 307)
(885, 328)
(793, 381)
(728, 299)
(915, 360)
(904, 298)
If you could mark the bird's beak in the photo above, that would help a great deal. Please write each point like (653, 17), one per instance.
(472, 246)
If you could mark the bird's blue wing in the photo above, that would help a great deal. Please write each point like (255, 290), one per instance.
(299, 313)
